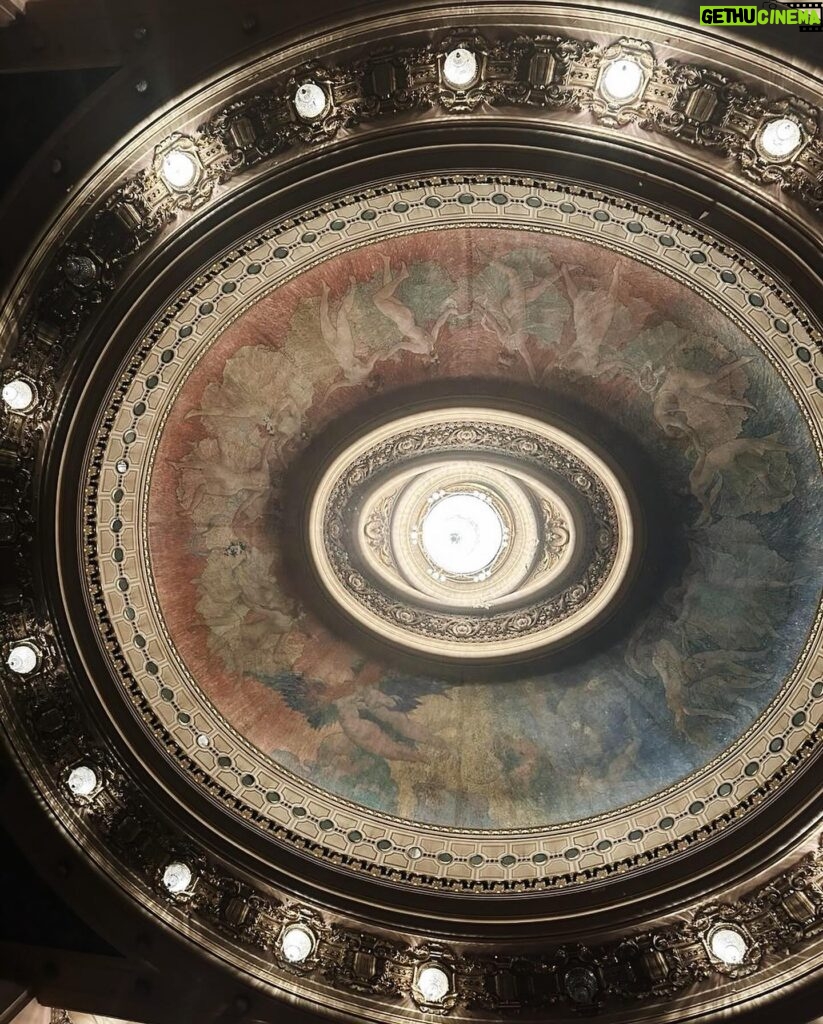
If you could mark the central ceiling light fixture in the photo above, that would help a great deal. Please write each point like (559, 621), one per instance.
(463, 533)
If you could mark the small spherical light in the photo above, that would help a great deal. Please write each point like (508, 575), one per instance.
(781, 137)
(177, 877)
(202, 740)
(728, 945)
(179, 169)
(82, 781)
(433, 983)
(460, 68)
(622, 80)
(310, 101)
(23, 659)
(18, 395)
(296, 943)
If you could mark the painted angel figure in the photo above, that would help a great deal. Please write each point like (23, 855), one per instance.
(415, 339)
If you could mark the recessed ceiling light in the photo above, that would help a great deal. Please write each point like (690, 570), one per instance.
(18, 395)
(23, 659)
(296, 943)
(433, 983)
(460, 68)
(177, 877)
(728, 945)
(179, 169)
(82, 781)
(622, 80)
(781, 137)
(310, 101)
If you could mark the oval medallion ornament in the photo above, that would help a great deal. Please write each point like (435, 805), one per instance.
(468, 532)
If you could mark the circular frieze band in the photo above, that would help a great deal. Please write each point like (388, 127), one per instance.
(482, 485)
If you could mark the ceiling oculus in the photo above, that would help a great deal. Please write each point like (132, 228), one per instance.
(470, 533)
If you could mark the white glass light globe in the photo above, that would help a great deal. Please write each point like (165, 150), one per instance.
(23, 659)
(622, 80)
(460, 67)
(82, 781)
(179, 169)
(296, 943)
(781, 137)
(18, 395)
(177, 877)
(728, 945)
(462, 533)
(433, 984)
(310, 101)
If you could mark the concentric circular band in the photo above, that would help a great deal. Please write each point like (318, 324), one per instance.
(558, 574)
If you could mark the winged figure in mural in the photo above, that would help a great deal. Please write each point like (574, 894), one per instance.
(375, 717)
(754, 469)
(506, 315)
(339, 339)
(414, 338)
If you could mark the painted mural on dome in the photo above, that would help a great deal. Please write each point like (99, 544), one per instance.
(712, 416)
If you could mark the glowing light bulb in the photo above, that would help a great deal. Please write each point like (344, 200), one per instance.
(82, 781)
(460, 67)
(179, 169)
(296, 943)
(433, 983)
(622, 80)
(18, 395)
(23, 659)
(310, 101)
(462, 533)
(177, 877)
(781, 137)
(728, 945)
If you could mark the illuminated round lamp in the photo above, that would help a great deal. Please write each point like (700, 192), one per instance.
(18, 395)
(82, 781)
(310, 101)
(780, 138)
(179, 170)
(297, 943)
(622, 80)
(728, 945)
(462, 533)
(433, 984)
(177, 877)
(460, 68)
(23, 658)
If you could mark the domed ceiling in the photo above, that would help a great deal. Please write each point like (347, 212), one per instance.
(644, 338)
(437, 545)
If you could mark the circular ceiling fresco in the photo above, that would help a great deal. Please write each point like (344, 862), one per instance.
(610, 374)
